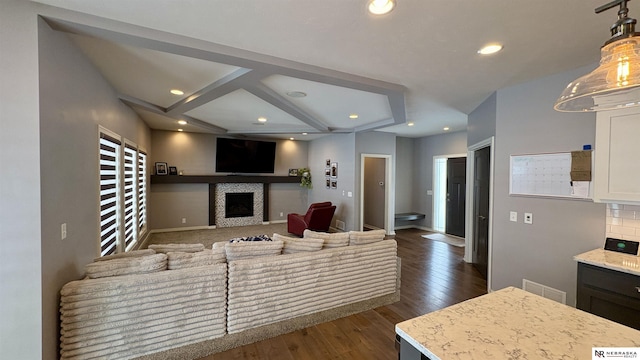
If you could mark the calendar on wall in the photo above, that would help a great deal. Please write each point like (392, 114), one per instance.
(545, 175)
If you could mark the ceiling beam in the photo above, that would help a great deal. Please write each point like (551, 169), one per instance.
(219, 88)
(144, 105)
(275, 99)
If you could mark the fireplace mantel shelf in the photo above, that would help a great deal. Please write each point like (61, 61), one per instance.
(219, 179)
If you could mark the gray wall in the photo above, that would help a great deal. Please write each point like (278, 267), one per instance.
(404, 175)
(74, 100)
(195, 154)
(424, 151)
(481, 123)
(337, 148)
(542, 252)
(20, 263)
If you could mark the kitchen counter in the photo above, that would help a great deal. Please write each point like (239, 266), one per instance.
(611, 260)
(512, 323)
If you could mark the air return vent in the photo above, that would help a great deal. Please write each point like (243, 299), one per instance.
(544, 291)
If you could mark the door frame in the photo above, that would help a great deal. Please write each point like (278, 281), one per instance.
(434, 204)
(388, 220)
(470, 216)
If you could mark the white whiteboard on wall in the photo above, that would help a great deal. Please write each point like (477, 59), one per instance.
(544, 175)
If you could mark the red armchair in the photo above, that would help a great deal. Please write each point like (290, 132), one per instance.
(317, 218)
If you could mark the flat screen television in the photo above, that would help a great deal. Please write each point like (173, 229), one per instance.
(245, 156)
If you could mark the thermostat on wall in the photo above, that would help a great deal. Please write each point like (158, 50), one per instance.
(621, 246)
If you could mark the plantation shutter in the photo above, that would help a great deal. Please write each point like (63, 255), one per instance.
(109, 193)
(130, 197)
(142, 191)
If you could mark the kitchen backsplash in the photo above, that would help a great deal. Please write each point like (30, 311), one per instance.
(623, 221)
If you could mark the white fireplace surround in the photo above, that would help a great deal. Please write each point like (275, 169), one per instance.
(258, 206)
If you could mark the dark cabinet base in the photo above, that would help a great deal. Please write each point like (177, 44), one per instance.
(609, 294)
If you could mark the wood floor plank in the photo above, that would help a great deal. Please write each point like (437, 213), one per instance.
(433, 276)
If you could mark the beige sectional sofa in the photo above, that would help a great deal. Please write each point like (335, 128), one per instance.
(203, 306)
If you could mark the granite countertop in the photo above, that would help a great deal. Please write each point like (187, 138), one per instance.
(513, 324)
(611, 260)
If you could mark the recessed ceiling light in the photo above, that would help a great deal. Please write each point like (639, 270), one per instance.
(490, 49)
(262, 119)
(353, 116)
(304, 133)
(446, 128)
(410, 124)
(182, 122)
(296, 94)
(291, 138)
(180, 130)
(381, 7)
(177, 92)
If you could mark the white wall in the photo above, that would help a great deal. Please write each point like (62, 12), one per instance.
(20, 265)
(404, 175)
(542, 252)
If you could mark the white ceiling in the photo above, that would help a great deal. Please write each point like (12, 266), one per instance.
(417, 64)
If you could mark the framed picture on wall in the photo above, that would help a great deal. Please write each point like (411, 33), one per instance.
(334, 184)
(327, 172)
(328, 163)
(328, 183)
(161, 168)
(293, 172)
(334, 170)
(173, 170)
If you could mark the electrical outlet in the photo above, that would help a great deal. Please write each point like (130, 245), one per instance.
(184, 220)
(513, 216)
(63, 231)
(281, 214)
(340, 225)
(528, 218)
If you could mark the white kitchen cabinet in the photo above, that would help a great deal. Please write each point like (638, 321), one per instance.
(617, 156)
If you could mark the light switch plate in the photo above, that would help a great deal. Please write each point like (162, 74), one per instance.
(513, 216)
(528, 218)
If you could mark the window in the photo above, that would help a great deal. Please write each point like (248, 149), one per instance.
(123, 193)
(109, 193)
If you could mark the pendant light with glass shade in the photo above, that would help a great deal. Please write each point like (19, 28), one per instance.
(615, 83)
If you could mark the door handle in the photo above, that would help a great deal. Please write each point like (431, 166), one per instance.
(638, 288)
(484, 218)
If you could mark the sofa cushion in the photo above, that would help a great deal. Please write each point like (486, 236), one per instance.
(366, 237)
(134, 253)
(295, 245)
(127, 266)
(249, 249)
(331, 240)
(183, 260)
(165, 248)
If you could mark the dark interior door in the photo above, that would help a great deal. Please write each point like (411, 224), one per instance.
(456, 193)
(480, 255)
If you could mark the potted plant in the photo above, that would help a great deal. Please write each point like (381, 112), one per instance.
(305, 177)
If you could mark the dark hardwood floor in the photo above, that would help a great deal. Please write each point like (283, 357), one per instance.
(434, 276)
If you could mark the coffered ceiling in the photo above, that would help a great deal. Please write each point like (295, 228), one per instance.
(237, 61)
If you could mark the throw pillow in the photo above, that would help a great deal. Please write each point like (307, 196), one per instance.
(331, 240)
(183, 260)
(249, 249)
(295, 245)
(250, 238)
(165, 248)
(134, 253)
(366, 237)
(127, 266)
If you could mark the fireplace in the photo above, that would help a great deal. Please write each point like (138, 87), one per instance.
(238, 205)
